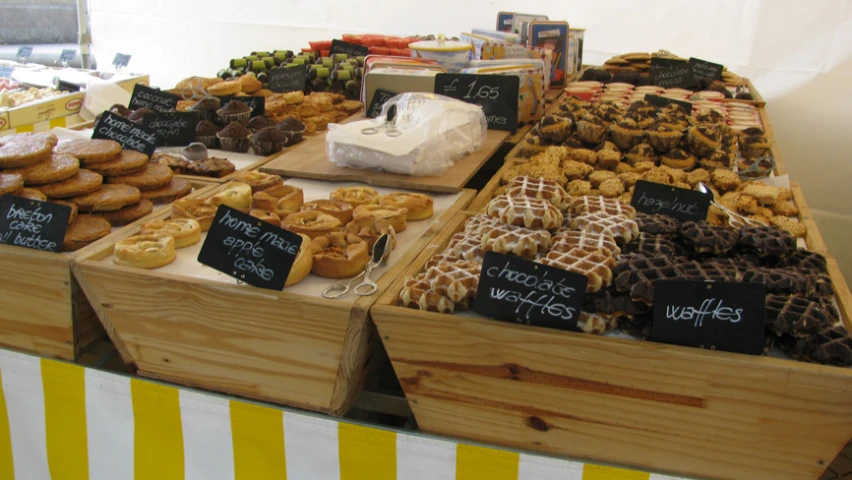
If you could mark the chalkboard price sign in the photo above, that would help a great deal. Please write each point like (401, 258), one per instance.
(726, 316)
(156, 100)
(257, 104)
(514, 289)
(287, 79)
(121, 60)
(33, 224)
(676, 76)
(351, 49)
(705, 70)
(174, 129)
(67, 56)
(680, 203)
(496, 94)
(6, 72)
(380, 97)
(24, 53)
(250, 250)
(659, 101)
(130, 135)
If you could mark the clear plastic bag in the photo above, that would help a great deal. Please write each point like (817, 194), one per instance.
(426, 134)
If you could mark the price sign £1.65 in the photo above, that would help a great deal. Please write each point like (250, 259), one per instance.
(496, 94)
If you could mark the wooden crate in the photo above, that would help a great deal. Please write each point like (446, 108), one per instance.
(282, 347)
(44, 310)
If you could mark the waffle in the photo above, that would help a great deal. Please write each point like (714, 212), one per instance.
(417, 293)
(797, 316)
(636, 274)
(781, 281)
(539, 188)
(657, 224)
(466, 246)
(832, 346)
(706, 238)
(480, 224)
(525, 212)
(610, 304)
(650, 245)
(619, 227)
(520, 241)
(457, 280)
(704, 271)
(441, 258)
(595, 265)
(767, 241)
(807, 261)
(590, 204)
(595, 324)
(589, 241)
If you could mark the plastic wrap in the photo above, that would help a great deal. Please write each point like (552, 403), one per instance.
(426, 135)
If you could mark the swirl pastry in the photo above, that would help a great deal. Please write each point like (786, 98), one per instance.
(340, 210)
(356, 196)
(419, 206)
(235, 195)
(282, 199)
(195, 209)
(311, 223)
(394, 216)
(338, 255)
(185, 231)
(145, 251)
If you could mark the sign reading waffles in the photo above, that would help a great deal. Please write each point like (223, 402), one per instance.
(518, 290)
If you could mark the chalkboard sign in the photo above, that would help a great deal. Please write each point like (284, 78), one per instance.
(130, 135)
(287, 79)
(351, 49)
(659, 101)
(156, 100)
(496, 94)
(24, 53)
(666, 62)
(250, 250)
(726, 316)
(676, 76)
(33, 224)
(514, 289)
(64, 86)
(121, 60)
(67, 56)
(380, 97)
(6, 72)
(705, 70)
(680, 203)
(174, 129)
(257, 104)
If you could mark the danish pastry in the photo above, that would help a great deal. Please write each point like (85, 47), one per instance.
(185, 231)
(419, 206)
(303, 263)
(311, 223)
(394, 216)
(195, 209)
(356, 196)
(283, 200)
(265, 215)
(235, 195)
(370, 229)
(145, 251)
(340, 210)
(257, 181)
(338, 255)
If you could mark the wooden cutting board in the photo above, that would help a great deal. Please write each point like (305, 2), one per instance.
(309, 160)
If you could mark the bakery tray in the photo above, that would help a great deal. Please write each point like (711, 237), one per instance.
(190, 325)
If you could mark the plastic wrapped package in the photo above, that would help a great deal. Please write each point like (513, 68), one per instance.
(425, 135)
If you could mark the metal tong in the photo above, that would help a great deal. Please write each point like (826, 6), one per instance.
(381, 251)
(735, 220)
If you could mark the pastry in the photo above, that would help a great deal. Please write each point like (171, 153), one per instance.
(233, 194)
(679, 159)
(31, 194)
(84, 182)
(206, 109)
(584, 205)
(765, 194)
(211, 167)
(234, 111)
(127, 162)
(90, 151)
(525, 186)
(520, 241)
(753, 144)
(185, 231)
(699, 175)
(259, 123)
(139, 114)
(418, 293)
(108, 198)
(225, 89)
(626, 134)
(703, 139)
(725, 180)
(457, 280)
(588, 241)
(250, 83)
(623, 229)
(311, 223)
(303, 263)
(145, 251)
(25, 149)
(293, 127)
(591, 129)
(283, 199)
(663, 137)
(268, 141)
(356, 196)
(129, 214)
(554, 129)
(463, 245)
(611, 188)
(195, 209)
(650, 245)
(10, 183)
(706, 238)
(257, 181)
(234, 138)
(181, 106)
(395, 217)
(339, 255)
(596, 266)
(70, 205)
(657, 224)
(175, 189)
(796, 316)
(177, 164)
(153, 176)
(641, 152)
(599, 176)
(525, 212)
(578, 188)
(265, 215)
(418, 205)
(58, 167)
(340, 210)
(796, 229)
(206, 130)
(767, 241)
(84, 230)
(370, 229)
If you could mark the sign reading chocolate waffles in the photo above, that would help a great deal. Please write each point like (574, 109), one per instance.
(677, 76)
(680, 203)
(174, 129)
(705, 70)
(496, 94)
(33, 224)
(727, 316)
(659, 101)
(518, 290)
(156, 100)
(250, 250)
(380, 97)
(351, 49)
(287, 79)
(131, 135)
(257, 104)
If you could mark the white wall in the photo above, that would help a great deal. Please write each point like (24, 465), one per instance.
(798, 53)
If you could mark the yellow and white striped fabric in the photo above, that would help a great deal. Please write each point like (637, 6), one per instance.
(64, 422)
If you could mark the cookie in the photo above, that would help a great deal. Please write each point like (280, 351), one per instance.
(10, 183)
(84, 182)
(177, 164)
(211, 167)
(108, 198)
(128, 161)
(176, 188)
(725, 180)
(58, 167)
(90, 151)
(84, 230)
(793, 227)
(25, 149)
(130, 213)
(153, 176)
(611, 188)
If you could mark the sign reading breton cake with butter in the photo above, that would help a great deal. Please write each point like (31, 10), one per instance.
(33, 224)
(680, 203)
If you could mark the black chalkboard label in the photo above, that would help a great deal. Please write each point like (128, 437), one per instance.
(517, 290)
(666, 62)
(121, 60)
(680, 203)
(64, 86)
(351, 49)
(727, 316)
(24, 53)
(250, 250)
(131, 136)
(174, 129)
(257, 104)
(287, 79)
(67, 56)
(156, 100)
(705, 70)
(659, 101)
(33, 224)
(496, 94)
(677, 76)
(380, 97)
(6, 72)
